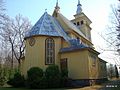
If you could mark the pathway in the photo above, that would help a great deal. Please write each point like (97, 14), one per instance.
(110, 85)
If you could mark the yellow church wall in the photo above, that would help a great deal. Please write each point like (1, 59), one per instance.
(86, 30)
(102, 69)
(93, 66)
(77, 64)
(81, 17)
(64, 43)
(97, 67)
(73, 35)
(85, 27)
(35, 55)
(87, 42)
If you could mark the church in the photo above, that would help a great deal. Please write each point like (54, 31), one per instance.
(67, 43)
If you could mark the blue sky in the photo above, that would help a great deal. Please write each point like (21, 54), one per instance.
(33, 9)
(97, 10)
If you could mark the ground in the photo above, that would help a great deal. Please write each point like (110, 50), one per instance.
(111, 85)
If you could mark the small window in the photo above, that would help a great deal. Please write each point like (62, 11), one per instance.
(78, 23)
(82, 22)
(74, 23)
(78, 40)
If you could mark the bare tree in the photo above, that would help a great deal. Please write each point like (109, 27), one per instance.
(13, 33)
(2, 12)
(3, 18)
(112, 34)
(118, 27)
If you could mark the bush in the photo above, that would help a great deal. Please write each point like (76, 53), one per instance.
(35, 75)
(17, 80)
(64, 73)
(2, 78)
(35, 71)
(53, 76)
(43, 83)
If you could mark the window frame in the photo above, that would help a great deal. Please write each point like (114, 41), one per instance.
(49, 51)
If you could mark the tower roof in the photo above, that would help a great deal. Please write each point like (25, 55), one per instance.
(57, 8)
(79, 8)
(47, 25)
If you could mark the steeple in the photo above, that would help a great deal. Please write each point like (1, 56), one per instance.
(57, 8)
(79, 8)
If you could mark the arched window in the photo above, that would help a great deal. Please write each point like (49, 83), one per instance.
(49, 51)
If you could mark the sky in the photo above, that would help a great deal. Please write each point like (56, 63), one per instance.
(98, 11)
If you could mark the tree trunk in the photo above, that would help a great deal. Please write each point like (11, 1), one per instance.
(12, 60)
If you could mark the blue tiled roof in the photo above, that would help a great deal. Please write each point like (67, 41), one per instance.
(74, 42)
(47, 25)
(73, 47)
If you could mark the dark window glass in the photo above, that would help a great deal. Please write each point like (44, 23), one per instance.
(74, 23)
(82, 22)
(78, 23)
(78, 40)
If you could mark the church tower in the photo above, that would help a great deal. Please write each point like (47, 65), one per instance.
(82, 21)
(56, 10)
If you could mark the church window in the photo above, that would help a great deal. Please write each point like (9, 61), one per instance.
(49, 51)
(78, 23)
(74, 23)
(82, 22)
(78, 40)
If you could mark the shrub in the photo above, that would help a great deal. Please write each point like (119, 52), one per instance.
(64, 77)
(43, 83)
(2, 78)
(17, 80)
(35, 71)
(53, 76)
(64, 73)
(35, 75)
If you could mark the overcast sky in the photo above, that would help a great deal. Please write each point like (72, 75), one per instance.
(97, 10)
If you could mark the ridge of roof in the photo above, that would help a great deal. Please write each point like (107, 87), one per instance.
(72, 26)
